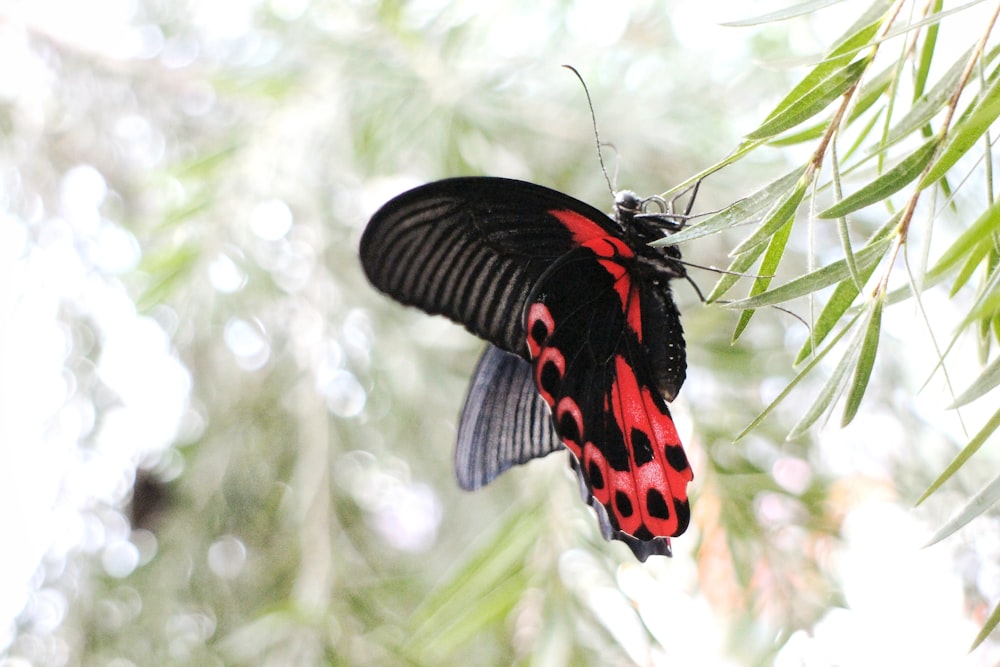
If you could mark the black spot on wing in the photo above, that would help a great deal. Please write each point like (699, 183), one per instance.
(642, 449)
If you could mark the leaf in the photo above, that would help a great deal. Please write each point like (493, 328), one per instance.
(885, 185)
(780, 215)
(834, 385)
(987, 380)
(772, 257)
(866, 360)
(966, 133)
(988, 627)
(978, 232)
(929, 105)
(813, 101)
(815, 280)
(483, 590)
(739, 265)
(798, 378)
(970, 448)
(979, 503)
(739, 211)
(854, 38)
(792, 11)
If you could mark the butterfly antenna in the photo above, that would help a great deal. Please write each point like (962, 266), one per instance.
(593, 118)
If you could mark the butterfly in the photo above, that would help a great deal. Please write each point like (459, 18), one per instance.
(585, 342)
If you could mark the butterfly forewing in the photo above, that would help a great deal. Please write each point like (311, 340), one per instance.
(471, 249)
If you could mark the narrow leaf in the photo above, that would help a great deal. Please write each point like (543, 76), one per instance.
(833, 387)
(971, 448)
(815, 280)
(979, 503)
(813, 101)
(965, 135)
(855, 38)
(843, 296)
(792, 11)
(978, 232)
(739, 265)
(988, 627)
(889, 183)
(866, 360)
(930, 104)
(987, 380)
(740, 211)
(797, 379)
(780, 215)
(772, 257)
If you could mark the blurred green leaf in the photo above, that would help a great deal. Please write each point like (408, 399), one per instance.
(970, 448)
(979, 503)
(789, 12)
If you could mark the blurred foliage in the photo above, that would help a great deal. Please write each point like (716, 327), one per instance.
(306, 512)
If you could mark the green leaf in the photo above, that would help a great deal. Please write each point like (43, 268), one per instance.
(797, 379)
(843, 296)
(926, 54)
(740, 265)
(972, 262)
(987, 380)
(484, 589)
(979, 503)
(971, 448)
(889, 183)
(781, 214)
(739, 211)
(929, 105)
(866, 360)
(833, 387)
(966, 133)
(813, 101)
(979, 232)
(988, 627)
(855, 38)
(832, 273)
(775, 250)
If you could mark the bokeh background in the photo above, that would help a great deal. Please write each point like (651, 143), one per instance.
(220, 446)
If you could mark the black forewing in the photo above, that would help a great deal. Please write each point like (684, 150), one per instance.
(471, 249)
(504, 421)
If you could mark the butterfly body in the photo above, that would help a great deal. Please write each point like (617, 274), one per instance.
(586, 344)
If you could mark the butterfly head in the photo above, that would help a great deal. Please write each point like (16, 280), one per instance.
(646, 219)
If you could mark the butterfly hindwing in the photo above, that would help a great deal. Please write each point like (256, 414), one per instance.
(585, 331)
(504, 421)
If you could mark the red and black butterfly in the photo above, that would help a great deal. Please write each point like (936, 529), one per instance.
(585, 341)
